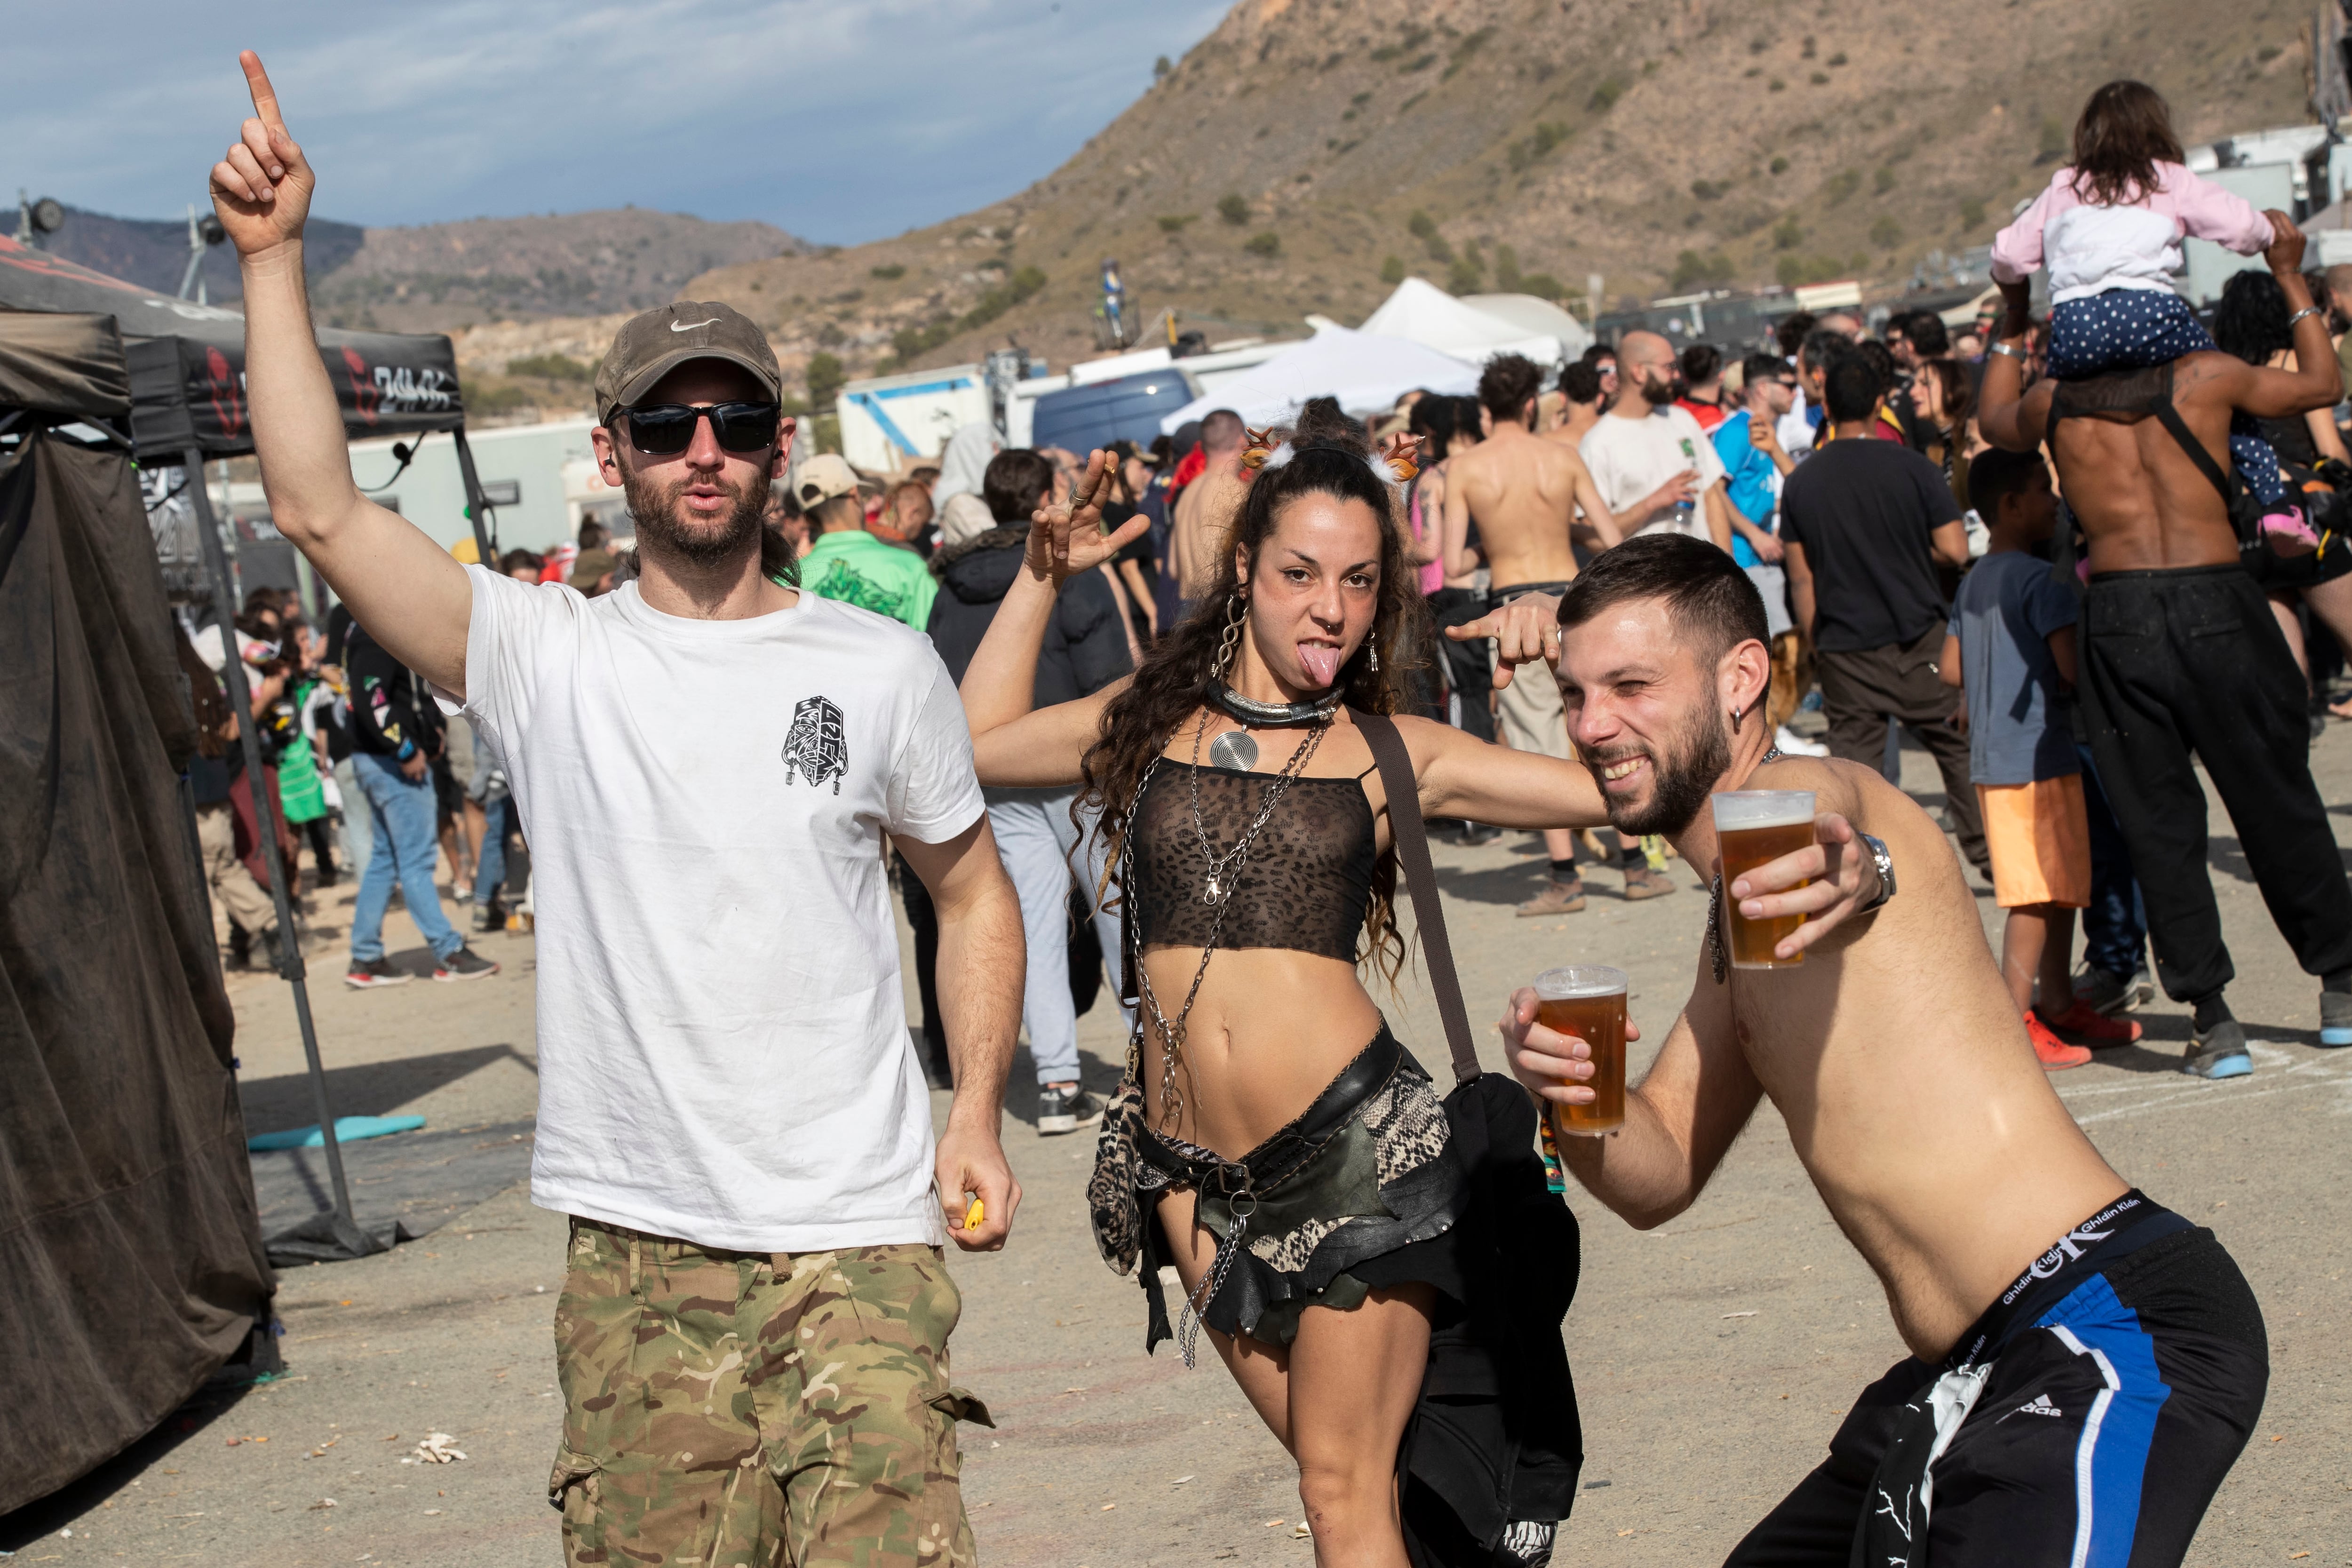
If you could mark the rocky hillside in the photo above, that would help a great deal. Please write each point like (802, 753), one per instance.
(437, 276)
(1309, 152)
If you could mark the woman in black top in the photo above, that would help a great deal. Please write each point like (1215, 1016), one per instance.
(1301, 1179)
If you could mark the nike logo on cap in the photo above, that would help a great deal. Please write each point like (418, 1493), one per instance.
(690, 326)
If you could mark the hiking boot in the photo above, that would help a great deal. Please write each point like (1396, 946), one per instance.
(2094, 1026)
(375, 972)
(2335, 1018)
(1641, 882)
(1558, 897)
(2054, 1054)
(1066, 1109)
(2218, 1052)
(465, 964)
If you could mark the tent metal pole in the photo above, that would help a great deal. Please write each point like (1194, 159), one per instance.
(265, 821)
(477, 508)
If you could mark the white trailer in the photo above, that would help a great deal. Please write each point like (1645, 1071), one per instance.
(541, 482)
(890, 422)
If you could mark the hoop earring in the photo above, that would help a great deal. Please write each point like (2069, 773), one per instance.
(1236, 611)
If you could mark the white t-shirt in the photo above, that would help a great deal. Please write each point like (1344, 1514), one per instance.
(723, 1054)
(1629, 458)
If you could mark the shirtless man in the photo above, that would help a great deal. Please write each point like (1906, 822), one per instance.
(1205, 509)
(2180, 653)
(2085, 1365)
(1523, 492)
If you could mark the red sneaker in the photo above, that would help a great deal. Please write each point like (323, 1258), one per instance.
(2054, 1054)
(2087, 1022)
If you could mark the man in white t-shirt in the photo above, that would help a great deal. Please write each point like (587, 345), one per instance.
(1657, 470)
(753, 1337)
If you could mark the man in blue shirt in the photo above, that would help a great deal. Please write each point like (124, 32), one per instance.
(1754, 462)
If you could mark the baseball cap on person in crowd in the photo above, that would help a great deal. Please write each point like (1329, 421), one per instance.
(824, 477)
(650, 346)
(965, 516)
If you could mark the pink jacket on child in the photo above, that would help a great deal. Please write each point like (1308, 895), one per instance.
(2090, 249)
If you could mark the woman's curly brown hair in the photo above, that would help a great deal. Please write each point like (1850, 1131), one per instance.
(1329, 458)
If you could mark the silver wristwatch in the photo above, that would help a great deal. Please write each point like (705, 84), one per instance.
(1877, 848)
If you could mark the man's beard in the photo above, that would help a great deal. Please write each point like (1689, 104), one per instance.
(655, 506)
(1679, 782)
(1658, 392)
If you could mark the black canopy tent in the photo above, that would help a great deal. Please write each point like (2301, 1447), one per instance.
(131, 1266)
(185, 367)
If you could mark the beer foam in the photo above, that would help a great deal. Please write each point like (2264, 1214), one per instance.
(1571, 981)
(1740, 808)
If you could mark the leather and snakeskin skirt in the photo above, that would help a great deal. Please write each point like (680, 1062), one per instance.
(1360, 1191)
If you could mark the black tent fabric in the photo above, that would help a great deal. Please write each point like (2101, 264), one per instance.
(67, 365)
(130, 1257)
(187, 361)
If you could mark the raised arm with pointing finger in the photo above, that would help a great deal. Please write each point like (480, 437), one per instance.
(410, 594)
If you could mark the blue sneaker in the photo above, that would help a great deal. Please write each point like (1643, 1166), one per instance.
(2335, 1018)
(2218, 1052)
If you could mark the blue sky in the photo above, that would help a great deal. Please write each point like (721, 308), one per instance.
(841, 120)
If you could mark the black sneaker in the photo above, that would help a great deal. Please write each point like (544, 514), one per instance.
(2335, 1019)
(465, 964)
(2104, 992)
(373, 973)
(490, 917)
(1067, 1110)
(2218, 1052)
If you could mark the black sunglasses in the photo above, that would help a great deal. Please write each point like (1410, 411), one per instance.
(666, 429)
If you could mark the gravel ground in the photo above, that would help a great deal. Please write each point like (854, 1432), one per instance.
(1714, 1356)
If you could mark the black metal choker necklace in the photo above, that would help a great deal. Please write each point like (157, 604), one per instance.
(1248, 711)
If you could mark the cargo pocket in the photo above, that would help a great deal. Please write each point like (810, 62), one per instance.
(573, 1488)
(962, 1404)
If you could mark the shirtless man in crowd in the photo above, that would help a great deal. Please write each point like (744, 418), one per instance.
(2180, 653)
(1523, 492)
(2027, 1278)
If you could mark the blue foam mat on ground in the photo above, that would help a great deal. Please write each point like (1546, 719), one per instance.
(348, 1130)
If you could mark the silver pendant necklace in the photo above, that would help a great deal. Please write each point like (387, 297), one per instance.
(1236, 749)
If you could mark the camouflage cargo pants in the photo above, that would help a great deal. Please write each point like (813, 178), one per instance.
(755, 1410)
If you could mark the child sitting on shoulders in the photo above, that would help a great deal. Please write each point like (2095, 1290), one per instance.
(2109, 229)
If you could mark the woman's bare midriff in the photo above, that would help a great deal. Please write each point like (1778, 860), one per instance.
(1269, 1030)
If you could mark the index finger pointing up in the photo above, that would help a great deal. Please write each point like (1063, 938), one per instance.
(265, 96)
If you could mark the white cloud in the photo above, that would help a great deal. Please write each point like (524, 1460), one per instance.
(838, 120)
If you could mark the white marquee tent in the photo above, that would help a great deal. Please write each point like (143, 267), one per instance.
(1476, 329)
(1366, 370)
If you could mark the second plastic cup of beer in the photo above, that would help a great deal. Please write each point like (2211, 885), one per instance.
(1753, 828)
(1587, 1000)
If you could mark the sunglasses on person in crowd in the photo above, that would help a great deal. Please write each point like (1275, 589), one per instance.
(666, 429)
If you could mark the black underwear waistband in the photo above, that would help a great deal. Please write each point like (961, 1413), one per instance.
(2167, 573)
(2117, 1231)
(1498, 598)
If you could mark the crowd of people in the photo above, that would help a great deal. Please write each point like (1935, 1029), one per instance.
(1183, 711)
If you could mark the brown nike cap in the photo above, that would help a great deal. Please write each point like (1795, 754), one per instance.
(651, 345)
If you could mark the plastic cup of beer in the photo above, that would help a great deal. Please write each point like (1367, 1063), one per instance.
(1587, 1000)
(1753, 827)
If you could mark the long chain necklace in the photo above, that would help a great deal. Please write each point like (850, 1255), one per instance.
(1219, 897)
(1222, 867)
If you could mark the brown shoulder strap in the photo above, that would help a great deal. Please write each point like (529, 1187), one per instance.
(1412, 842)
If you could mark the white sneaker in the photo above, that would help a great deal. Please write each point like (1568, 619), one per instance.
(1796, 745)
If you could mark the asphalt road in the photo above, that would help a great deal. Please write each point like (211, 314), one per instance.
(1713, 1357)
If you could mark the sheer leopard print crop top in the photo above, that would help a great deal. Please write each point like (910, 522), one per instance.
(1307, 882)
